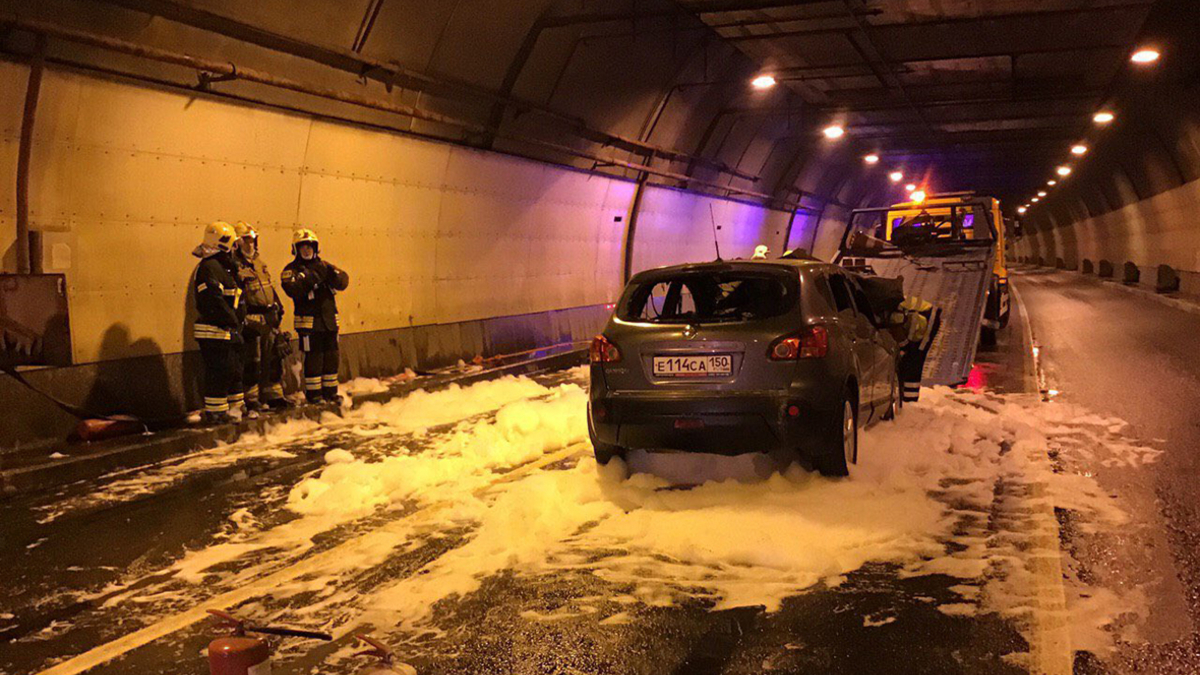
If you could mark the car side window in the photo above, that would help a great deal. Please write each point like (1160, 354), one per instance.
(863, 303)
(841, 294)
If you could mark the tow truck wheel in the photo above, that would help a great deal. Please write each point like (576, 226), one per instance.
(842, 450)
(987, 336)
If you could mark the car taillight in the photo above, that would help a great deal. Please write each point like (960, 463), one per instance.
(603, 351)
(811, 344)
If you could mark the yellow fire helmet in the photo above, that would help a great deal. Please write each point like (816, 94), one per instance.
(305, 236)
(219, 235)
(244, 229)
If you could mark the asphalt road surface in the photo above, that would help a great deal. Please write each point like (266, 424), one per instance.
(496, 545)
(1124, 353)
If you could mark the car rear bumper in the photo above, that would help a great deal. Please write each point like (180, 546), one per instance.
(726, 423)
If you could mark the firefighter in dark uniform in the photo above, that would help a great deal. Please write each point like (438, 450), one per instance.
(312, 283)
(266, 345)
(218, 328)
(919, 322)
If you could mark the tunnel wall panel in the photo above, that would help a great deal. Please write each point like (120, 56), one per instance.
(676, 227)
(1158, 230)
(126, 177)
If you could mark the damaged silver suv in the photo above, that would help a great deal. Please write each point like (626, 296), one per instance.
(784, 357)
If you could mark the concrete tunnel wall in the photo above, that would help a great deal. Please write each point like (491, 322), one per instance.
(1135, 197)
(452, 251)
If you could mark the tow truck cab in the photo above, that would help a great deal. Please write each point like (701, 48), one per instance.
(957, 217)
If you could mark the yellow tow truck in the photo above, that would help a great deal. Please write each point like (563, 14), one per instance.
(949, 249)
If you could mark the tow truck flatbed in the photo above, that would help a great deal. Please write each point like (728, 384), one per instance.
(949, 252)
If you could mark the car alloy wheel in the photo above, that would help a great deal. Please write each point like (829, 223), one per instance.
(849, 437)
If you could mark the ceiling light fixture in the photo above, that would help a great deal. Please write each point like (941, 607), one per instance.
(896, 176)
(1063, 171)
(910, 187)
(1144, 56)
(1035, 200)
(1042, 193)
(763, 82)
(1080, 149)
(834, 131)
(1051, 183)
(1022, 209)
(871, 159)
(918, 196)
(1103, 117)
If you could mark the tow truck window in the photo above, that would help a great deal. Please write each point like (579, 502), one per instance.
(710, 297)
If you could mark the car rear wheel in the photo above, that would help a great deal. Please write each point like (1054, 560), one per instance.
(843, 445)
(605, 453)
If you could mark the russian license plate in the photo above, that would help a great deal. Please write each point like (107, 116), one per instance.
(709, 365)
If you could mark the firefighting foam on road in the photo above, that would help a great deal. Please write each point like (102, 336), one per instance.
(415, 512)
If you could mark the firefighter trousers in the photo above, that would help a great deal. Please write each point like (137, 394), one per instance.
(262, 370)
(912, 362)
(320, 364)
(222, 384)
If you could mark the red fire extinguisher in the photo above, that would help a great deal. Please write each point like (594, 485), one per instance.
(385, 662)
(240, 654)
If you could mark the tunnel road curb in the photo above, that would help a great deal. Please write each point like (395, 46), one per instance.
(103, 457)
(1050, 644)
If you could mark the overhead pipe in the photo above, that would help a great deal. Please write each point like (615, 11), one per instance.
(232, 71)
(229, 70)
(653, 171)
(29, 258)
(391, 74)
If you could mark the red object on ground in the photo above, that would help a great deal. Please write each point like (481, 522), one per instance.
(238, 655)
(98, 430)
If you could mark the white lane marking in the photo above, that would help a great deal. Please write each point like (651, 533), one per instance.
(172, 624)
(1050, 648)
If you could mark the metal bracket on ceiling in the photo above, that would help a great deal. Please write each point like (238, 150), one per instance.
(204, 78)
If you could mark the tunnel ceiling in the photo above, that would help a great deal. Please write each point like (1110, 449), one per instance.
(974, 95)
(971, 94)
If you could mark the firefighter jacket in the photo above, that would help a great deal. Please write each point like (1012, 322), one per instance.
(915, 314)
(313, 285)
(264, 311)
(218, 299)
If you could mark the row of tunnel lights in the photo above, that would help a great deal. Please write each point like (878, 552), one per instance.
(1142, 57)
(836, 131)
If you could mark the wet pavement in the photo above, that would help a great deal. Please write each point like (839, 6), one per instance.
(1123, 353)
(84, 571)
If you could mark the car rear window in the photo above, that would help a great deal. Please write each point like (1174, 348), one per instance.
(707, 296)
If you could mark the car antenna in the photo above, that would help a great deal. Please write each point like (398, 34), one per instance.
(713, 218)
